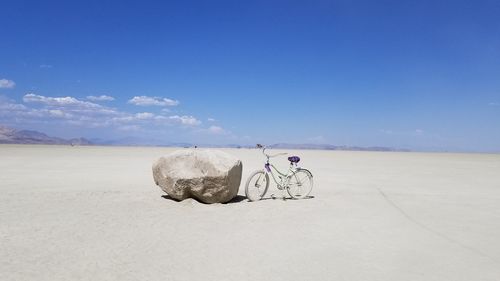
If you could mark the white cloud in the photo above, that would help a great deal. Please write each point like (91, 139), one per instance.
(59, 113)
(211, 120)
(156, 119)
(46, 66)
(70, 111)
(144, 115)
(493, 104)
(100, 98)
(129, 128)
(7, 106)
(157, 101)
(59, 101)
(7, 84)
(61, 110)
(185, 120)
(130, 118)
(216, 130)
(16, 111)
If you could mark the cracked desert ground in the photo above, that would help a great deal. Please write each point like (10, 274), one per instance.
(94, 213)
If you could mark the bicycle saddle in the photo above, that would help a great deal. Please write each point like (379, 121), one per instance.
(294, 159)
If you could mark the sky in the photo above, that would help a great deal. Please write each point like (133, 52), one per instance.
(422, 75)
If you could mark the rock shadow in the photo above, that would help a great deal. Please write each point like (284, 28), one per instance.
(237, 199)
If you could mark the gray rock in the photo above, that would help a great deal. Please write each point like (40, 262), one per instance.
(210, 176)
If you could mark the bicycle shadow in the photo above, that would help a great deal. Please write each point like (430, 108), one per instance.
(287, 198)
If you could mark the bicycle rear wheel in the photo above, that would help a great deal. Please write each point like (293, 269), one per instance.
(257, 185)
(300, 184)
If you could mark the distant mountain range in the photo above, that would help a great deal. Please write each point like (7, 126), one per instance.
(13, 136)
(333, 147)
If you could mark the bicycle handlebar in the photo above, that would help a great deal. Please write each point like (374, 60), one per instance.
(271, 156)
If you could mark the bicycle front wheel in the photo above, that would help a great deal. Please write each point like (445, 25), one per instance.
(300, 184)
(257, 185)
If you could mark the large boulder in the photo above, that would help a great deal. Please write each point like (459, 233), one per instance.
(210, 176)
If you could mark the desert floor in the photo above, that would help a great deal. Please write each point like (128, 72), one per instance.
(94, 213)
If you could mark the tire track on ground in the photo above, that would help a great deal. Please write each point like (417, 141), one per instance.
(433, 231)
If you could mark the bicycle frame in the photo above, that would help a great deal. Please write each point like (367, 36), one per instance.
(283, 178)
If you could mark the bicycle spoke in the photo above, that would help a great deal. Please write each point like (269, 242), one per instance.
(256, 186)
(300, 185)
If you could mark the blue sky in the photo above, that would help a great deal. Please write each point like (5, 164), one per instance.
(422, 75)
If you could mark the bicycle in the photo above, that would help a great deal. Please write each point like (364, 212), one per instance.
(298, 182)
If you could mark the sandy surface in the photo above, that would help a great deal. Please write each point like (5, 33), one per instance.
(94, 213)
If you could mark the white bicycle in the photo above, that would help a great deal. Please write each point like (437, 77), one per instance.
(298, 182)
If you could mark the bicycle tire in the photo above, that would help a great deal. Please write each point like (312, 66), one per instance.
(254, 192)
(300, 184)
